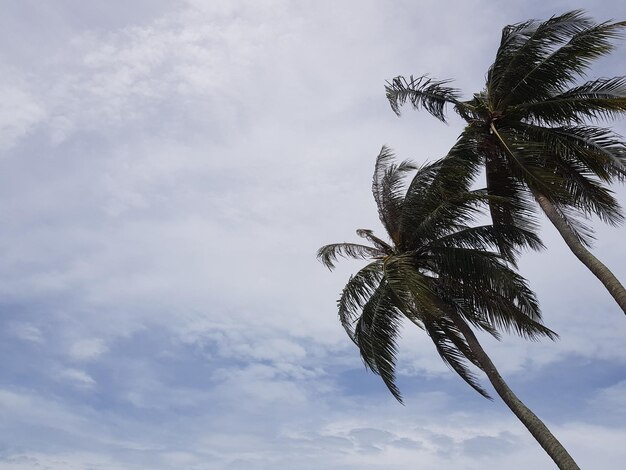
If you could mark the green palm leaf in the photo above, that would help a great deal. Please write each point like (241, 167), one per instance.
(376, 333)
(388, 189)
(422, 92)
(604, 98)
(328, 254)
(454, 351)
(356, 293)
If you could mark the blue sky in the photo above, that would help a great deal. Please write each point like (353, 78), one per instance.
(168, 170)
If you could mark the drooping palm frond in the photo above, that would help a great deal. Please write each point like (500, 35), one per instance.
(356, 293)
(453, 349)
(490, 273)
(507, 315)
(376, 333)
(586, 194)
(509, 204)
(524, 163)
(604, 98)
(507, 197)
(328, 254)
(412, 286)
(572, 161)
(601, 151)
(504, 316)
(490, 237)
(422, 92)
(576, 223)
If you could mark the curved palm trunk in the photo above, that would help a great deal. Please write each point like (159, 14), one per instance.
(536, 427)
(594, 265)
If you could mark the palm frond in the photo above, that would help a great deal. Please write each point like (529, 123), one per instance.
(513, 38)
(438, 200)
(422, 92)
(601, 151)
(438, 210)
(524, 162)
(489, 237)
(604, 98)
(412, 287)
(379, 243)
(494, 295)
(577, 223)
(461, 165)
(482, 270)
(388, 189)
(328, 254)
(376, 334)
(417, 200)
(509, 203)
(562, 67)
(447, 216)
(454, 350)
(467, 265)
(524, 45)
(586, 194)
(356, 293)
(577, 158)
(559, 51)
(506, 315)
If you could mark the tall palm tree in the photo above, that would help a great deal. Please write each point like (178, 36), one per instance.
(437, 271)
(537, 134)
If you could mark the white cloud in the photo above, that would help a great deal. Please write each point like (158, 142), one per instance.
(611, 399)
(78, 378)
(87, 349)
(62, 461)
(27, 332)
(20, 112)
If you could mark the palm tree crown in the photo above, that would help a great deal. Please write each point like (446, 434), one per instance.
(433, 269)
(436, 271)
(535, 130)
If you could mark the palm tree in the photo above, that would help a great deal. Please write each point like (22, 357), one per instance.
(437, 271)
(536, 133)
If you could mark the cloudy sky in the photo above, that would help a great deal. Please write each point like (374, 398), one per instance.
(168, 170)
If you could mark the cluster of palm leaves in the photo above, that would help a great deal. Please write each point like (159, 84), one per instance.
(535, 132)
(436, 269)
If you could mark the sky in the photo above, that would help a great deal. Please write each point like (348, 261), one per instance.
(168, 169)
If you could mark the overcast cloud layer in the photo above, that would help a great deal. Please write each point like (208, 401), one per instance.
(168, 170)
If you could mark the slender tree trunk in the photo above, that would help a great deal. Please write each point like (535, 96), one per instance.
(536, 427)
(594, 265)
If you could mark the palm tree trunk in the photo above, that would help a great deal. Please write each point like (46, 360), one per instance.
(594, 265)
(536, 427)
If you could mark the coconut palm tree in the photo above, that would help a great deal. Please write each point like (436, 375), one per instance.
(437, 271)
(535, 131)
